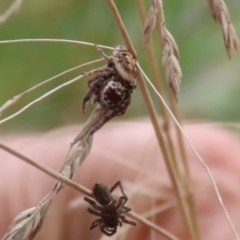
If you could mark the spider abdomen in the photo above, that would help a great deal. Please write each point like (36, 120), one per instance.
(113, 93)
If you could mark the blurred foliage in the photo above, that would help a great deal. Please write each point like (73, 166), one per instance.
(210, 85)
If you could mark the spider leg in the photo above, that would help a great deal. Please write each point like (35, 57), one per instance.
(120, 204)
(97, 85)
(93, 203)
(117, 184)
(123, 219)
(103, 54)
(119, 223)
(94, 212)
(126, 209)
(98, 71)
(89, 200)
(95, 223)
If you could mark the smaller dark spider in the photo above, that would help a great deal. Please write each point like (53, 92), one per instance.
(110, 210)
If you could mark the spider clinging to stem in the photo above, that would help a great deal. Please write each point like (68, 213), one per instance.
(114, 83)
(109, 209)
(110, 89)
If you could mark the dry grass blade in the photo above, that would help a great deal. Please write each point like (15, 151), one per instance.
(97, 116)
(77, 187)
(149, 25)
(221, 15)
(152, 113)
(73, 160)
(40, 98)
(198, 157)
(13, 100)
(27, 224)
(45, 95)
(50, 40)
(10, 102)
(165, 233)
(170, 52)
(14, 7)
(46, 170)
(150, 21)
(108, 106)
(170, 61)
(155, 3)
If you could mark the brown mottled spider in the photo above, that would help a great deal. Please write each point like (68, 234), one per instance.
(110, 210)
(113, 84)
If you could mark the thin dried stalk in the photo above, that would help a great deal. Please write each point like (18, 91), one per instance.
(156, 77)
(153, 116)
(152, 225)
(26, 226)
(10, 102)
(75, 157)
(185, 177)
(171, 61)
(149, 25)
(170, 58)
(221, 15)
(28, 223)
(141, 82)
(14, 7)
(40, 98)
(157, 81)
(199, 158)
(55, 41)
(152, 57)
(7, 104)
(48, 171)
(43, 207)
(122, 28)
(14, 99)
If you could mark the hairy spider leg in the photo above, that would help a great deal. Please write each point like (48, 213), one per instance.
(95, 84)
(95, 223)
(98, 208)
(98, 71)
(103, 54)
(123, 219)
(121, 202)
(99, 214)
(90, 201)
(118, 184)
(98, 82)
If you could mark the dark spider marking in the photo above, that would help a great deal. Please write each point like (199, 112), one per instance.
(108, 208)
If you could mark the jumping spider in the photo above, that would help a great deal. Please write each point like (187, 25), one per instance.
(114, 83)
(110, 210)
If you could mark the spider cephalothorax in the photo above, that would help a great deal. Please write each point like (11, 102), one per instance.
(113, 84)
(108, 209)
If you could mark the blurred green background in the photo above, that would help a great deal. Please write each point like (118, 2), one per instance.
(210, 86)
